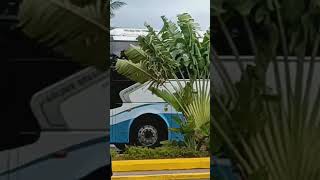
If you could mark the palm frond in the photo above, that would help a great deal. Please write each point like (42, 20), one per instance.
(114, 5)
(136, 54)
(199, 110)
(284, 146)
(167, 97)
(134, 71)
(79, 29)
(164, 56)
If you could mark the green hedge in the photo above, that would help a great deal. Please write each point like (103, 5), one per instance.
(139, 153)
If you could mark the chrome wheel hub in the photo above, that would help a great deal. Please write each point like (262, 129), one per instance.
(147, 135)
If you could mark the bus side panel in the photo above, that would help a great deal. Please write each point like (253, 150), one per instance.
(121, 123)
(172, 119)
(120, 131)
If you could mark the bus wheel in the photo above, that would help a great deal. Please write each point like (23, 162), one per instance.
(148, 133)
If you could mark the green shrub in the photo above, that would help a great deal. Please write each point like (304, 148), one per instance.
(164, 152)
(113, 153)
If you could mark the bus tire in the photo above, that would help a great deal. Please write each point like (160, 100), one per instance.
(148, 131)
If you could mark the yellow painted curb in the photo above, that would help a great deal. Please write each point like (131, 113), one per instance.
(161, 164)
(165, 176)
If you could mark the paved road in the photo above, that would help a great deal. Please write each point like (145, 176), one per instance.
(160, 172)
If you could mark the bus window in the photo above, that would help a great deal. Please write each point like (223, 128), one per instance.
(118, 81)
(117, 46)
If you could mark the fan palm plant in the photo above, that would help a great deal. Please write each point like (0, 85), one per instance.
(175, 54)
(270, 136)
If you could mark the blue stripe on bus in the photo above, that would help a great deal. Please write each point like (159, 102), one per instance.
(119, 133)
(173, 124)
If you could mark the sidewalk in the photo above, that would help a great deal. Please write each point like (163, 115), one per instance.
(165, 169)
(163, 175)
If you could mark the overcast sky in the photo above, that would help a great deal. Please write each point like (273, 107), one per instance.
(136, 12)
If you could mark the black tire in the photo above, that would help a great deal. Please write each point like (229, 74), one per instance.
(148, 131)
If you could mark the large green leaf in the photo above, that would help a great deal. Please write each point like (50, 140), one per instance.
(217, 8)
(271, 138)
(134, 71)
(136, 54)
(199, 110)
(168, 97)
(77, 28)
(244, 7)
(175, 62)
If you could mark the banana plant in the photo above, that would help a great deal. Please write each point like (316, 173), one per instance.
(175, 63)
(76, 28)
(270, 136)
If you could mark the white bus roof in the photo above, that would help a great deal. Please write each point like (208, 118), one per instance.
(127, 34)
(131, 34)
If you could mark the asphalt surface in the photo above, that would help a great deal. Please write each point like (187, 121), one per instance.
(160, 172)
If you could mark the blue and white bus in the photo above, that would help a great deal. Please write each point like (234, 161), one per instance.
(142, 119)
(138, 117)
